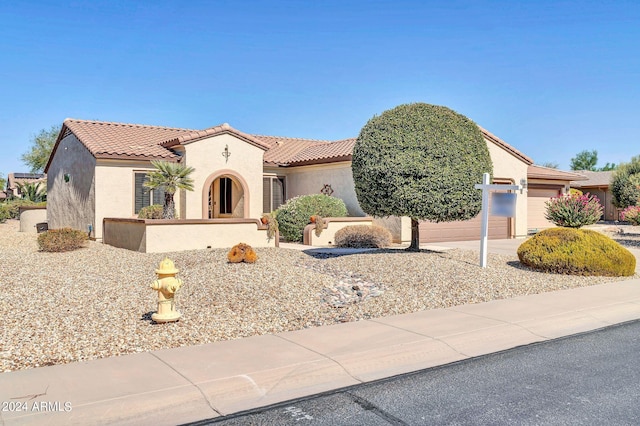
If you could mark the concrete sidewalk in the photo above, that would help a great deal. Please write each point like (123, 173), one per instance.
(187, 384)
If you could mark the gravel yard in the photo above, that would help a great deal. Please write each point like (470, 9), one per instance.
(96, 302)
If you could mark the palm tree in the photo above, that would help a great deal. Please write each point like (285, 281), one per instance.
(169, 177)
(32, 191)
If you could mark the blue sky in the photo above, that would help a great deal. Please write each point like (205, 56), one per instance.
(551, 78)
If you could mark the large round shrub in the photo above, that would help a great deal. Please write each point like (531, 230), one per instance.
(421, 161)
(625, 184)
(576, 252)
(295, 214)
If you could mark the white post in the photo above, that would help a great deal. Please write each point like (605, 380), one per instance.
(484, 235)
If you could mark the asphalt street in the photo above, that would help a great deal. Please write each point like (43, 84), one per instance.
(587, 379)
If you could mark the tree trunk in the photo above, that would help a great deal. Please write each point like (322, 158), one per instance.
(415, 235)
(169, 209)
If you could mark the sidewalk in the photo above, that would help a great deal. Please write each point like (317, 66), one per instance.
(187, 384)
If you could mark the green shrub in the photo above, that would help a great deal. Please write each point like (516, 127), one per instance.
(576, 252)
(631, 214)
(11, 208)
(359, 236)
(64, 239)
(296, 213)
(625, 184)
(4, 213)
(151, 212)
(574, 211)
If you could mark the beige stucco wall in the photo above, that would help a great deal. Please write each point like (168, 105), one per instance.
(206, 157)
(506, 166)
(115, 189)
(305, 180)
(30, 216)
(71, 204)
(164, 236)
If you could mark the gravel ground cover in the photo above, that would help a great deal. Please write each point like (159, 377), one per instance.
(96, 302)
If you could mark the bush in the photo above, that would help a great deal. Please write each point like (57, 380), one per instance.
(625, 184)
(295, 214)
(242, 253)
(359, 236)
(63, 239)
(574, 191)
(631, 214)
(574, 211)
(151, 212)
(10, 209)
(576, 252)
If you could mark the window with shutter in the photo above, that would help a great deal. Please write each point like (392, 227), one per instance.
(273, 193)
(144, 197)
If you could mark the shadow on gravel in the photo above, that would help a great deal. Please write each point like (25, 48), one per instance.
(327, 253)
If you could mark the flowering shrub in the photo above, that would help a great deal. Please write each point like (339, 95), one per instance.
(574, 211)
(631, 214)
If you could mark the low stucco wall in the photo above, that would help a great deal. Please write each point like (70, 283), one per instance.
(160, 236)
(30, 216)
(331, 226)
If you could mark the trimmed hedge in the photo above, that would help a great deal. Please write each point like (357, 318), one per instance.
(362, 236)
(63, 239)
(576, 252)
(296, 213)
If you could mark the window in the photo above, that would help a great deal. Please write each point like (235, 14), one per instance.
(225, 195)
(144, 196)
(272, 193)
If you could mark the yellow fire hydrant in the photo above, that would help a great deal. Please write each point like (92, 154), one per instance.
(167, 286)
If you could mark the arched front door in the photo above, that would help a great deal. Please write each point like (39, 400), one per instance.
(226, 198)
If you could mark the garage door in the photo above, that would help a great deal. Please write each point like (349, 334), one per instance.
(536, 208)
(468, 230)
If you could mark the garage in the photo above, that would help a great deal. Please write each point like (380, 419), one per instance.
(536, 206)
(468, 230)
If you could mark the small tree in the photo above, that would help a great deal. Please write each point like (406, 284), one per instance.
(625, 184)
(41, 146)
(421, 161)
(169, 177)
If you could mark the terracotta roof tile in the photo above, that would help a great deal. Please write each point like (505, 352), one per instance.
(325, 151)
(213, 131)
(120, 140)
(540, 172)
(493, 138)
(594, 179)
(282, 150)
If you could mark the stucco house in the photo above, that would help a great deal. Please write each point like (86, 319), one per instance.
(15, 179)
(597, 183)
(97, 170)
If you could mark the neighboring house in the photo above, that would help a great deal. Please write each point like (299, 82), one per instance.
(597, 183)
(545, 183)
(13, 179)
(97, 170)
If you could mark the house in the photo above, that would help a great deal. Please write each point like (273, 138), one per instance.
(545, 183)
(97, 170)
(597, 183)
(14, 179)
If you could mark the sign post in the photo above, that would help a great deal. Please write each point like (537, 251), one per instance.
(500, 210)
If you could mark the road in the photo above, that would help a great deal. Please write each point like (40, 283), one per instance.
(588, 379)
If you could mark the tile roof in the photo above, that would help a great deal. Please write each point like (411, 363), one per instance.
(134, 141)
(196, 135)
(593, 179)
(121, 140)
(540, 172)
(502, 144)
(282, 149)
(13, 179)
